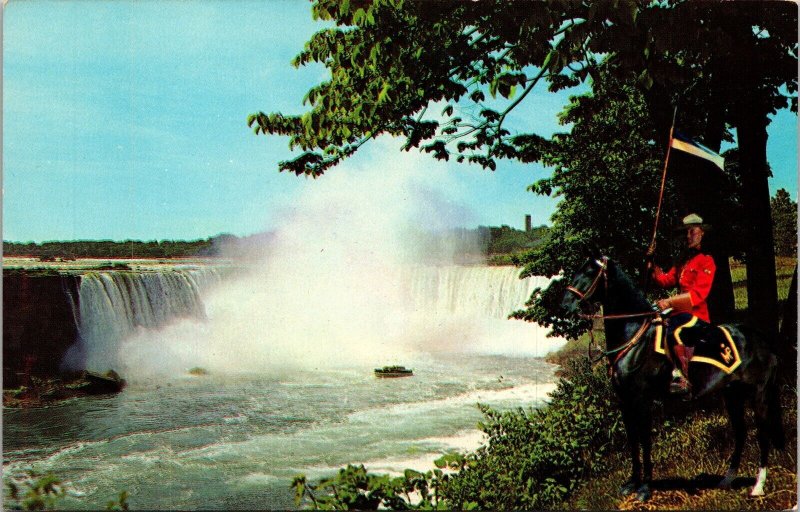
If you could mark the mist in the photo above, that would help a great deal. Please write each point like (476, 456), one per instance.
(337, 285)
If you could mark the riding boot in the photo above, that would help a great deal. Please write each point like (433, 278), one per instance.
(680, 383)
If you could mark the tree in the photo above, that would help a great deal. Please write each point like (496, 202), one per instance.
(604, 171)
(391, 61)
(784, 223)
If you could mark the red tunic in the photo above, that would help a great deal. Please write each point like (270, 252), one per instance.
(695, 278)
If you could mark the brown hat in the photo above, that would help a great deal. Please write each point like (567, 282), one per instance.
(693, 221)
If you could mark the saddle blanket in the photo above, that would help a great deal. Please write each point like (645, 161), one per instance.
(712, 344)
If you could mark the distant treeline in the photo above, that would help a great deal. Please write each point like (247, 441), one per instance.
(507, 240)
(112, 249)
(486, 240)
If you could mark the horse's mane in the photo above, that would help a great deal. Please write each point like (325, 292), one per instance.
(632, 299)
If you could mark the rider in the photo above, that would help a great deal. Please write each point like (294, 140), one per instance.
(694, 274)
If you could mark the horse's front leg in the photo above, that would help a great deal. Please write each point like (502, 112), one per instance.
(760, 408)
(629, 418)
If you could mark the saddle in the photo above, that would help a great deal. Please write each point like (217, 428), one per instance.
(712, 344)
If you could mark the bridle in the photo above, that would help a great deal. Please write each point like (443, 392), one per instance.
(602, 273)
(602, 263)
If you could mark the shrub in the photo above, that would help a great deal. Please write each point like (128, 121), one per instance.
(534, 459)
(35, 493)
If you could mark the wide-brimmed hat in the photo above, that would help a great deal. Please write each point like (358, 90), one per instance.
(693, 221)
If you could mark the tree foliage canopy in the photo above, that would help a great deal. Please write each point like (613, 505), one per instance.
(446, 75)
(392, 61)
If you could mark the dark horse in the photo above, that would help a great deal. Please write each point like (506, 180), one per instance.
(640, 374)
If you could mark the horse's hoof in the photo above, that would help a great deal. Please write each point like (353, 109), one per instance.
(643, 494)
(761, 479)
(628, 488)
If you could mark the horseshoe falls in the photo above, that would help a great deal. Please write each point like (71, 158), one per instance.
(111, 306)
(289, 350)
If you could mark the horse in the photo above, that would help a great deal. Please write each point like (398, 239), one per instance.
(640, 374)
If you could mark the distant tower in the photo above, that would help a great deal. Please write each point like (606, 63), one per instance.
(527, 223)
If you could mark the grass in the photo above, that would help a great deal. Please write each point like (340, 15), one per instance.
(784, 268)
(691, 444)
(690, 456)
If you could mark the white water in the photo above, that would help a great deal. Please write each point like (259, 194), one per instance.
(157, 325)
(235, 438)
(236, 442)
(290, 345)
(111, 306)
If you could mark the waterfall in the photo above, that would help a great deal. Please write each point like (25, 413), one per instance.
(488, 292)
(264, 320)
(111, 306)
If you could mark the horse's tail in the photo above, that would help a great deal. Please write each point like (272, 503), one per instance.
(774, 415)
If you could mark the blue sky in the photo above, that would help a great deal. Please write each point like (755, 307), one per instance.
(126, 120)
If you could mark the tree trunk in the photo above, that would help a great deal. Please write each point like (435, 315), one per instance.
(721, 301)
(762, 289)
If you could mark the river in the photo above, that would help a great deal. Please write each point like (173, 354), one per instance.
(206, 442)
(292, 400)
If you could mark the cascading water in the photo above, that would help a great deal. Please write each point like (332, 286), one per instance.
(112, 306)
(285, 393)
(163, 322)
(478, 291)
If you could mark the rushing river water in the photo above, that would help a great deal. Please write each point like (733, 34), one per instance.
(290, 387)
(207, 442)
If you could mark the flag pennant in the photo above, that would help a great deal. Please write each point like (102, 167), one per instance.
(687, 145)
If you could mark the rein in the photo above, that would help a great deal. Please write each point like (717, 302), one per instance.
(618, 316)
(583, 296)
(622, 349)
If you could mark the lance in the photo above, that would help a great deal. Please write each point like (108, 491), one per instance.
(651, 249)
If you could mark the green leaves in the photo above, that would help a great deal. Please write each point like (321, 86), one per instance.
(389, 60)
(354, 488)
(505, 84)
(534, 459)
(784, 223)
(121, 503)
(453, 461)
(37, 492)
(607, 167)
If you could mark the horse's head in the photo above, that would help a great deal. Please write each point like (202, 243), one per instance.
(590, 277)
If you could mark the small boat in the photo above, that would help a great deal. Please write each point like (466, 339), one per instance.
(393, 371)
(101, 384)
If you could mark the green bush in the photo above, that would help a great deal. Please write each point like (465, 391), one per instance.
(353, 488)
(534, 459)
(45, 492)
(35, 493)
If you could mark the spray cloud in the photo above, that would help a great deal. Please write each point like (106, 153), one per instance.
(339, 284)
